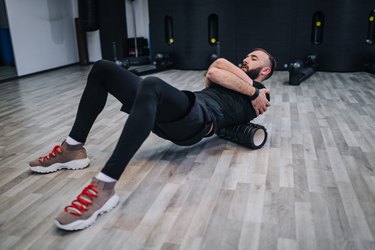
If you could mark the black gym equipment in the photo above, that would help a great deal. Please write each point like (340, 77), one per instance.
(161, 62)
(88, 15)
(369, 65)
(301, 70)
(250, 135)
(213, 37)
(168, 29)
(87, 21)
(317, 28)
(371, 28)
(214, 56)
(213, 29)
(124, 62)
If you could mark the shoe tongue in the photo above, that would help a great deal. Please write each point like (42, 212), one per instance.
(69, 147)
(102, 185)
(95, 181)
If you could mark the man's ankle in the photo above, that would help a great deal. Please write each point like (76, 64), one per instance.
(72, 141)
(103, 177)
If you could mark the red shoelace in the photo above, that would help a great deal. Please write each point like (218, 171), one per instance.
(83, 201)
(56, 150)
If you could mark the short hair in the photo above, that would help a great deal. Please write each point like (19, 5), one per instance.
(271, 59)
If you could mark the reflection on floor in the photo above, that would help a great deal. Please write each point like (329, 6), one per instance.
(7, 72)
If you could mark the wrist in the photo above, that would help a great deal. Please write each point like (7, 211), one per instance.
(255, 95)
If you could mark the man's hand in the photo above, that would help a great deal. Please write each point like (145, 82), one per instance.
(207, 82)
(261, 103)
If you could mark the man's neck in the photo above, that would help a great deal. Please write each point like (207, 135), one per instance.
(258, 79)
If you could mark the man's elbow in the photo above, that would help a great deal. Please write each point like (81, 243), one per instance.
(212, 73)
(220, 63)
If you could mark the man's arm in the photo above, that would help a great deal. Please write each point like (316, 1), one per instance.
(230, 80)
(222, 63)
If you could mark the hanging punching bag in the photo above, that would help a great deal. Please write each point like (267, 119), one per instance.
(317, 28)
(213, 29)
(168, 29)
(371, 28)
(88, 14)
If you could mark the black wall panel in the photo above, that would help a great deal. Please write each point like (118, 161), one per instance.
(191, 49)
(281, 27)
(266, 24)
(197, 30)
(157, 11)
(112, 28)
(345, 28)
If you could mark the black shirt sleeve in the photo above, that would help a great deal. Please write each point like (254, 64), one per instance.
(228, 107)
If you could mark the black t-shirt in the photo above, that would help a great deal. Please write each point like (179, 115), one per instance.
(228, 107)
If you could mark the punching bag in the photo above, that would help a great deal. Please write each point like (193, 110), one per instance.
(168, 30)
(317, 28)
(88, 14)
(371, 28)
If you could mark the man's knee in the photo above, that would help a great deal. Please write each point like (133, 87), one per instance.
(100, 70)
(100, 65)
(150, 84)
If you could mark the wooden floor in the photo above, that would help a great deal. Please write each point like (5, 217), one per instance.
(312, 186)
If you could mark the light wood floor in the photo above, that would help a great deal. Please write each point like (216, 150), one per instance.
(312, 186)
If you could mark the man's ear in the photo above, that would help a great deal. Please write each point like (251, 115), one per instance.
(265, 71)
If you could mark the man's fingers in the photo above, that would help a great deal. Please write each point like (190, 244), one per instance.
(257, 112)
(261, 104)
(265, 109)
(260, 111)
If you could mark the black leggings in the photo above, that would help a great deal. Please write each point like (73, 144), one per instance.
(145, 100)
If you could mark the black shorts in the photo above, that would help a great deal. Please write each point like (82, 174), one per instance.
(190, 129)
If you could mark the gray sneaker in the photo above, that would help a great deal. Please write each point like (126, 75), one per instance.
(96, 198)
(62, 157)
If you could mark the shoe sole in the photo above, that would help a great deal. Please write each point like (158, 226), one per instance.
(75, 164)
(82, 224)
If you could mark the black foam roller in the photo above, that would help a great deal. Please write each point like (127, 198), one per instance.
(243, 134)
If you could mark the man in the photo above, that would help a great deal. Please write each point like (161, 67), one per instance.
(232, 96)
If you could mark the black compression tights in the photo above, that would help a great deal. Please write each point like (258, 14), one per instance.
(145, 100)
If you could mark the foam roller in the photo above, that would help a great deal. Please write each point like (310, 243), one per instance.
(250, 135)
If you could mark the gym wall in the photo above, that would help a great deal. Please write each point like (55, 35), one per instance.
(190, 48)
(112, 26)
(343, 46)
(285, 28)
(42, 34)
(266, 24)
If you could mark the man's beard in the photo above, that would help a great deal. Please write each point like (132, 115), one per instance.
(254, 73)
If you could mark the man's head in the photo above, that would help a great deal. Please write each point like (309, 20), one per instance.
(259, 65)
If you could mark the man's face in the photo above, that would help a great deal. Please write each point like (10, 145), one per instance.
(254, 63)
(254, 73)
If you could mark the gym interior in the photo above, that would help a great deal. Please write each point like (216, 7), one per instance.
(309, 185)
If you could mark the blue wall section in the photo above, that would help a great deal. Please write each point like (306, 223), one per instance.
(6, 51)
